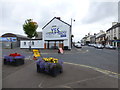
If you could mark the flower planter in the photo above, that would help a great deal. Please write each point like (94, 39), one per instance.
(52, 68)
(14, 60)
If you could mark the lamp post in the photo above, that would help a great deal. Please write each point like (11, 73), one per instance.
(71, 31)
(71, 23)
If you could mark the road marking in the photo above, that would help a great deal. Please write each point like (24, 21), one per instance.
(83, 51)
(40, 85)
(110, 73)
(16, 71)
(67, 87)
(84, 80)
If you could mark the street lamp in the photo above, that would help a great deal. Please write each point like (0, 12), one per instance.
(71, 30)
(71, 22)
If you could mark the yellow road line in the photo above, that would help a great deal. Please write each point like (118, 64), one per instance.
(97, 69)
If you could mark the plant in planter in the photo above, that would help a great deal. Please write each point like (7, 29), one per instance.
(14, 59)
(50, 65)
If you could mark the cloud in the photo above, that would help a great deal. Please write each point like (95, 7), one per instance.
(99, 11)
(89, 17)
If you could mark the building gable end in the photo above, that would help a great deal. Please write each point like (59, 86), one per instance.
(57, 19)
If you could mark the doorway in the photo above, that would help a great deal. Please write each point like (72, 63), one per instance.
(53, 44)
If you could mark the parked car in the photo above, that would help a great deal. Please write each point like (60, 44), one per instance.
(99, 46)
(92, 45)
(82, 44)
(89, 44)
(110, 47)
(78, 45)
(95, 45)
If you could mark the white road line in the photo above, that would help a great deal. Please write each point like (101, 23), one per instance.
(16, 71)
(68, 87)
(110, 73)
(85, 80)
(40, 85)
(83, 51)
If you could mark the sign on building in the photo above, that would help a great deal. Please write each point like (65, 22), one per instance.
(56, 32)
(8, 39)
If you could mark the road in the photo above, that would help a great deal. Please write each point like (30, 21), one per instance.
(101, 58)
(73, 76)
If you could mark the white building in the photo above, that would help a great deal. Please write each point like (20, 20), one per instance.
(100, 37)
(113, 34)
(35, 43)
(57, 33)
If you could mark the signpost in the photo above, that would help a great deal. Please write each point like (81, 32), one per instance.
(36, 53)
(61, 50)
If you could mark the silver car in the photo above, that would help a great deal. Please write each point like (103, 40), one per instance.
(99, 46)
(78, 45)
(110, 47)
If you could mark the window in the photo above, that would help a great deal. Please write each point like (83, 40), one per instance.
(32, 43)
(114, 30)
(24, 43)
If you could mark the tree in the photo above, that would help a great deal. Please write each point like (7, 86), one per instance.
(29, 28)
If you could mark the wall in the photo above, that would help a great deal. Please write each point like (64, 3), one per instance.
(6, 45)
(57, 30)
(37, 44)
(66, 43)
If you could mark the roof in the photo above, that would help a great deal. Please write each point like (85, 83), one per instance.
(39, 35)
(13, 35)
(57, 19)
(102, 35)
(32, 39)
(84, 38)
(114, 26)
(93, 36)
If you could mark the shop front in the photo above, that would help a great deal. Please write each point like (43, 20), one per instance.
(53, 44)
(116, 43)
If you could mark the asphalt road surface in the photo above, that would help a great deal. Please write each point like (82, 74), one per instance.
(74, 74)
(101, 58)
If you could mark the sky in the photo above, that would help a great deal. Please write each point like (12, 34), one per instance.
(90, 16)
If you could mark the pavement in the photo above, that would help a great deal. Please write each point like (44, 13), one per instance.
(73, 76)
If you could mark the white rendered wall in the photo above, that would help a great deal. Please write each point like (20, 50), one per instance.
(62, 27)
(37, 44)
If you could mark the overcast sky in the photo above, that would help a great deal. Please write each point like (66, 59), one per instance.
(90, 16)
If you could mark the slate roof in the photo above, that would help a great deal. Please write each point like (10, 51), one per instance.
(13, 35)
(116, 25)
(102, 35)
(39, 35)
(58, 19)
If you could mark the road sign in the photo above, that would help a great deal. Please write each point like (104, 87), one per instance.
(36, 53)
(61, 50)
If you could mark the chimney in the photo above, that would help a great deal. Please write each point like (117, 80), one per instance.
(58, 18)
(94, 33)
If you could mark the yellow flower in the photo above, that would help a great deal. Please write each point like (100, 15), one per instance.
(51, 60)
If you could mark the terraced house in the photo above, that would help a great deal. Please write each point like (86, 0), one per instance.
(113, 34)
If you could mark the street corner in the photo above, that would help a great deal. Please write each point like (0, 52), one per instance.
(79, 77)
